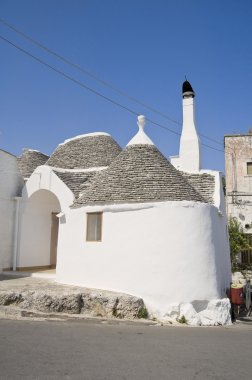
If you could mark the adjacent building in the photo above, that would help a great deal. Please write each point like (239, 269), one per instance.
(238, 159)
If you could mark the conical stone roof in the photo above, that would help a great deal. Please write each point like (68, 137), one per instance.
(76, 181)
(30, 160)
(84, 152)
(140, 173)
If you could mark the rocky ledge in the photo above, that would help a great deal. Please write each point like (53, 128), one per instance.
(48, 297)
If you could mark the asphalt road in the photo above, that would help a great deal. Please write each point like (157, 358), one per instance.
(99, 351)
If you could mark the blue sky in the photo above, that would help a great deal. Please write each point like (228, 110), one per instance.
(144, 48)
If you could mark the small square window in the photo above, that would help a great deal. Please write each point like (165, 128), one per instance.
(94, 226)
(249, 168)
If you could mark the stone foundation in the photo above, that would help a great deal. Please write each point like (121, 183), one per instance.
(200, 313)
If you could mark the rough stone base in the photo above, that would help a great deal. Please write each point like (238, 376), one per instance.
(52, 298)
(36, 295)
(200, 313)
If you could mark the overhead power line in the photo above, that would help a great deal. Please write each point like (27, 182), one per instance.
(84, 71)
(99, 80)
(81, 84)
(67, 76)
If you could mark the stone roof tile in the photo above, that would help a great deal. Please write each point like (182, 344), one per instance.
(30, 160)
(83, 152)
(140, 173)
(204, 184)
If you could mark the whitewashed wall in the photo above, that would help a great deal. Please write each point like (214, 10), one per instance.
(11, 183)
(43, 194)
(164, 252)
(36, 229)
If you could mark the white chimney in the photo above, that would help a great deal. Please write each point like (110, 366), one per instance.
(190, 150)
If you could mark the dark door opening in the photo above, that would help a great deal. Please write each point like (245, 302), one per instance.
(54, 239)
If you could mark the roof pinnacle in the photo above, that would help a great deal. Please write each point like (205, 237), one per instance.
(140, 138)
(141, 122)
(187, 90)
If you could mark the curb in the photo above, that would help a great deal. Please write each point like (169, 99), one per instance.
(22, 314)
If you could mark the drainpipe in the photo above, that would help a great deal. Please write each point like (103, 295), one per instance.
(16, 233)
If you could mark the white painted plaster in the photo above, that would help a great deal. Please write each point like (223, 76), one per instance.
(94, 169)
(35, 238)
(175, 161)
(43, 178)
(30, 150)
(11, 183)
(165, 252)
(43, 194)
(140, 138)
(189, 159)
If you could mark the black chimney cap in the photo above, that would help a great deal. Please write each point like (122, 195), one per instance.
(187, 90)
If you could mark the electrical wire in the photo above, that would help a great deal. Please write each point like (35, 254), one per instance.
(68, 76)
(95, 77)
(81, 69)
(81, 84)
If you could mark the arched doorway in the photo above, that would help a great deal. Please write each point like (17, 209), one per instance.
(39, 231)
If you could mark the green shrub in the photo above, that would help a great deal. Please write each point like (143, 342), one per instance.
(182, 319)
(237, 241)
(143, 313)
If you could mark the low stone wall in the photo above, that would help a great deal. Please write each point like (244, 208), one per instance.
(87, 302)
(36, 295)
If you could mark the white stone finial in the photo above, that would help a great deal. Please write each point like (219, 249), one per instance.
(140, 138)
(141, 121)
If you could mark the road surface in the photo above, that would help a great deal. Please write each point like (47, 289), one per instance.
(101, 351)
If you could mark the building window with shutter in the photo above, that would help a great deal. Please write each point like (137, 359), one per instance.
(94, 226)
(249, 168)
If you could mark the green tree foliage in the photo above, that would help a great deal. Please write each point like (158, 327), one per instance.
(237, 240)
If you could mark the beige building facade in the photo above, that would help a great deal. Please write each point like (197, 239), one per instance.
(238, 161)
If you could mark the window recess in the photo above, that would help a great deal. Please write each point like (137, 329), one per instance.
(249, 168)
(94, 226)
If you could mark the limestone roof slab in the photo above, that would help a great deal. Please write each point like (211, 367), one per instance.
(86, 151)
(203, 183)
(140, 173)
(30, 160)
